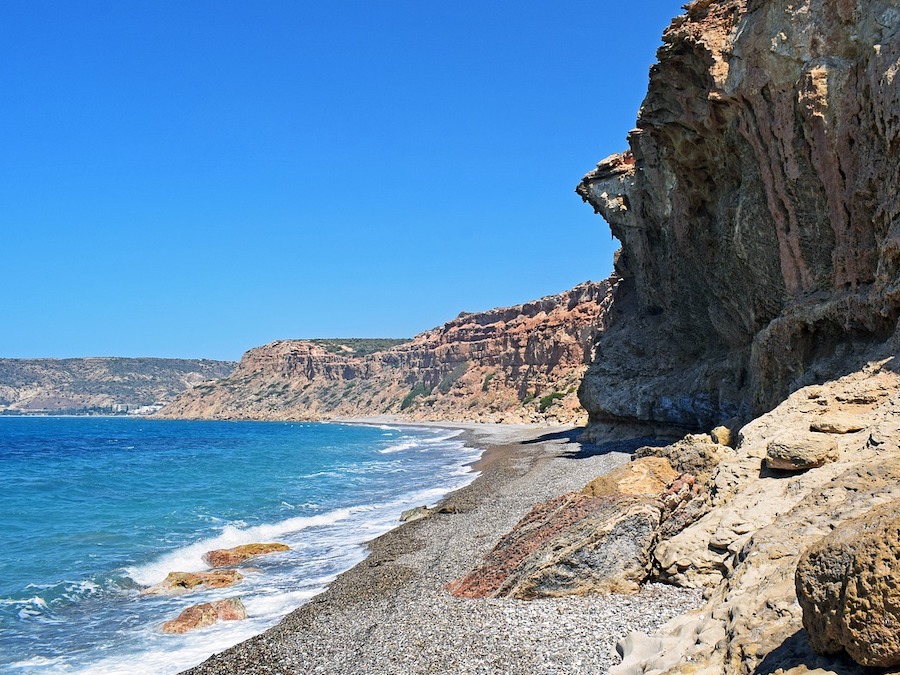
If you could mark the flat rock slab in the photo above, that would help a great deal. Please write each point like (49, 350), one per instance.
(225, 557)
(837, 424)
(177, 583)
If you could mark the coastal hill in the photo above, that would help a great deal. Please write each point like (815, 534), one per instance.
(512, 364)
(99, 385)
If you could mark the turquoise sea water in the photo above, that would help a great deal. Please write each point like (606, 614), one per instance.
(92, 510)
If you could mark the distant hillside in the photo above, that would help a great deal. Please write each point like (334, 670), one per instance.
(513, 364)
(100, 385)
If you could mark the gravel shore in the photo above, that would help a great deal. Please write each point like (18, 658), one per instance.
(392, 614)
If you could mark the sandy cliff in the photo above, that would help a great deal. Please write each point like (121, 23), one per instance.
(512, 364)
(758, 207)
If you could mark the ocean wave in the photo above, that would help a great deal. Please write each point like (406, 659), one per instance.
(190, 558)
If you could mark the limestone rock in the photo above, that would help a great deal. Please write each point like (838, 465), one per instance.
(723, 435)
(226, 557)
(644, 476)
(571, 545)
(798, 452)
(695, 454)
(848, 585)
(744, 549)
(206, 614)
(177, 583)
(837, 424)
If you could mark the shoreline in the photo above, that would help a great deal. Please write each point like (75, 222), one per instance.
(391, 613)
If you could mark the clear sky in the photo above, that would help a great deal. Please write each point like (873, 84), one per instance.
(192, 179)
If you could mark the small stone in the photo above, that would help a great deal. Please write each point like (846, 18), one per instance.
(798, 452)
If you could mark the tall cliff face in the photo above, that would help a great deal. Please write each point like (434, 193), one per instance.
(515, 364)
(758, 209)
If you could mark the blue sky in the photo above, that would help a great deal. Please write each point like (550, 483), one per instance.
(195, 179)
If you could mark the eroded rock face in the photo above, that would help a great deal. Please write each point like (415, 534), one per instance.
(225, 557)
(753, 525)
(512, 364)
(848, 585)
(206, 614)
(177, 583)
(758, 209)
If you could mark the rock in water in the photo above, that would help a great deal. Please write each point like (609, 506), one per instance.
(177, 583)
(206, 614)
(848, 585)
(797, 452)
(225, 557)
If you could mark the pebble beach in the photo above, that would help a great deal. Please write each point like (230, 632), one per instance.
(392, 613)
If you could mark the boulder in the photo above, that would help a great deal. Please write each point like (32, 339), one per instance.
(798, 451)
(415, 513)
(177, 583)
(226, 557)
(206, 614)
(848, 585)
(724, 435)
(695, 454)
(837, 423)
(644, 476)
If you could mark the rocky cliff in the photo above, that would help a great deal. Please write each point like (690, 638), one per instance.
(94, 385)
(758, 207)
(513, 364)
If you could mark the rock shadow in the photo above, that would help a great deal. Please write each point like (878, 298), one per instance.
(795, 651)
(577, 449)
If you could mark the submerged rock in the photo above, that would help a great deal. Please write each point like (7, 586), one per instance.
(206, 614)
(848, 585)
(226, 557)
(177, 583)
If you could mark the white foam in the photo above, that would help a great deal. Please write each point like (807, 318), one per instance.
(190, 558)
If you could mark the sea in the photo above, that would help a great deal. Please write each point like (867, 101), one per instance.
(94, 510)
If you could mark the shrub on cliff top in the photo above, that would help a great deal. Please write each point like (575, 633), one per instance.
(549, 400)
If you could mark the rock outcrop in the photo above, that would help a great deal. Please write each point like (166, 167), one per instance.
(206, 614)
(178, 583)
(755, 523)
(514, 364)
(758, 208)
(848, 585)
(595, 541)
(100, 385)
(226, 557)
